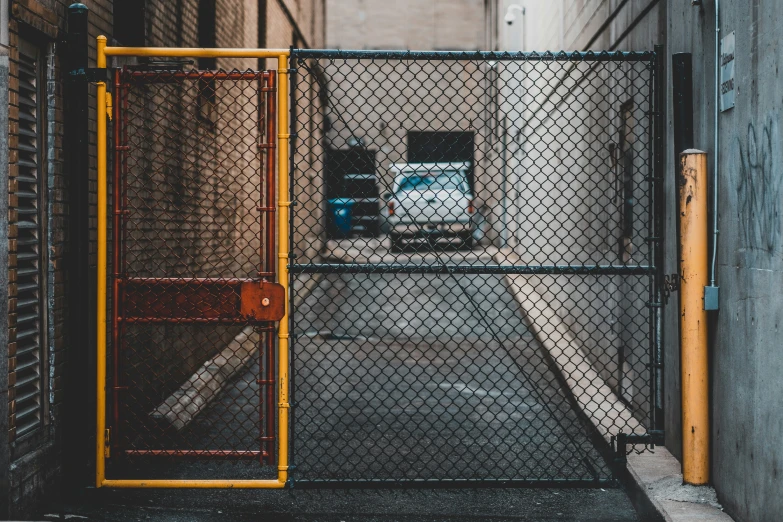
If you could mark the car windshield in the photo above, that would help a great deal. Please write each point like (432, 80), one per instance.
(433, 180)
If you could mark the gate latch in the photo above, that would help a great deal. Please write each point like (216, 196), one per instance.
(621, 442)
(262, 301)
(107, 443)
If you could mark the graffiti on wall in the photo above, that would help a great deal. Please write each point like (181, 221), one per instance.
(759, 194)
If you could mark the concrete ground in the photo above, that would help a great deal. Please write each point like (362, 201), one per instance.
(470, 505)
(396, 377)
(428, 377)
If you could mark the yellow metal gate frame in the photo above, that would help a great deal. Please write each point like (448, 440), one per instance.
(103, 111)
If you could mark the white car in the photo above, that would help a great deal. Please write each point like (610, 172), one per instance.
(429, 202)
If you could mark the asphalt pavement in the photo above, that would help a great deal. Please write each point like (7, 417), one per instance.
(396, 377)
(428, 377)
(464, 505)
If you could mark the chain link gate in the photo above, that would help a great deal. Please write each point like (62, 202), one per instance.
(475, 282)
(474, 268)
(193, 371)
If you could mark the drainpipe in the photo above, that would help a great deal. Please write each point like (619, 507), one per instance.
(711, 291)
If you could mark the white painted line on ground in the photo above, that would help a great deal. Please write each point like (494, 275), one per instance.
(596, 399)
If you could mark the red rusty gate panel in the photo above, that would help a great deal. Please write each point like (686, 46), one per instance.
(150, 300)
(194, 302)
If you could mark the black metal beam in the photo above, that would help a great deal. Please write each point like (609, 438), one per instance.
(682, 135)
(451, 483)
(659, 115)
(402, 268)
(575, 56)
(682, 105)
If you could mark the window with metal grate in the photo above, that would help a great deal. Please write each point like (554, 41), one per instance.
(29, 385)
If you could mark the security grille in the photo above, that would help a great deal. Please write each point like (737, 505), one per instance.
(30, 335)
(506, 316)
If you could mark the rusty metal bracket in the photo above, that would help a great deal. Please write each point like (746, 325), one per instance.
(202, 300)
(262, 301)
(671, 284)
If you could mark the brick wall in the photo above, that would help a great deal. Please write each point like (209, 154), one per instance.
(301, 23)
(193, 185)
(37, 457)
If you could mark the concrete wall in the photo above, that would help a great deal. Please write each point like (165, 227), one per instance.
(746, 360)
(747, 421)
(567, 171)
(431, 25)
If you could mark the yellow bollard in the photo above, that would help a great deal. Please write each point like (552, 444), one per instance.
(693, 317)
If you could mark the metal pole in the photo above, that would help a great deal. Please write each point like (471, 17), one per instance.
(711, 292)
(79, 401)
(118, 250)
(283, 205)
(192, 52)
(659, 109)
(100, 432)
(693, 317)
(269, 202)
(715, 166)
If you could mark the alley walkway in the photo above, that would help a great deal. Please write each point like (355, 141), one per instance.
(411, 376)
(397, 376)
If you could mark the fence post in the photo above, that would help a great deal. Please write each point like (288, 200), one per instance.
(283, 258)
(101, 115)
(79, 399)
(693, 317)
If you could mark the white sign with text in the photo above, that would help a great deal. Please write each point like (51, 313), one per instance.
(727, 72)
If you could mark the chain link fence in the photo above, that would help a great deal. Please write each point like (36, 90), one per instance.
(474, 268)
(476, 240)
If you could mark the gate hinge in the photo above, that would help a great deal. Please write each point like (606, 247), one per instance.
(107, 443)
(671, 284)
(109, 106)
(621, 442)
(98, 74)
(90, 75)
